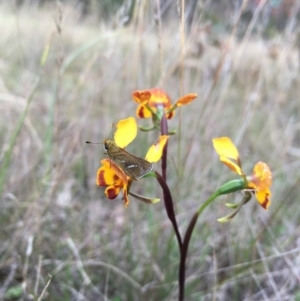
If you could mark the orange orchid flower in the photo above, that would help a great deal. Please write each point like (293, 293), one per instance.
(155, 101)
(110, 175)
(261, 179)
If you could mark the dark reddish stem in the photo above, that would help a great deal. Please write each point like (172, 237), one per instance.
(164, 131)
(183, 255)
(169, 206)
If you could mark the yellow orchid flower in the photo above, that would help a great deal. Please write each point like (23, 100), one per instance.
(261, 178)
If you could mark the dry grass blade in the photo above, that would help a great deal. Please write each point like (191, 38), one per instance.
(40, 298)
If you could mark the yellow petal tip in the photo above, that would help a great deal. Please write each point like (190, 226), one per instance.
(155, 151)
(126, 131)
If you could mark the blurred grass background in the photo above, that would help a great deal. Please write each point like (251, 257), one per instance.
(67, 72)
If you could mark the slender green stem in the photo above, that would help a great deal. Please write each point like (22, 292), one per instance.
(208, 201)
(144, 129)
(186, 241)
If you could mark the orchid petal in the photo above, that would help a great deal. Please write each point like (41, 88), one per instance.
(261, 177)
(126, 131)
(233, 166)
(186, 99)
(225, 147)
(141, 96)
(263, 198)
(112, 192)
(143, 112)
(155, 151)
